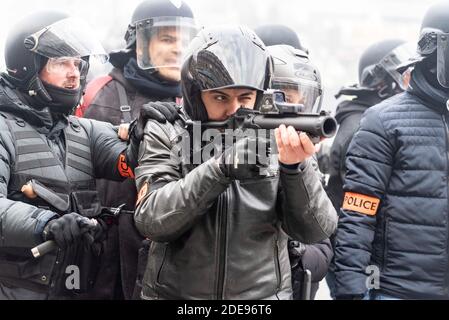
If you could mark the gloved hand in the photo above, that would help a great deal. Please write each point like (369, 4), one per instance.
(244, 160)
(159, 111)
(66, 230)
(93, 230)
(295, 251)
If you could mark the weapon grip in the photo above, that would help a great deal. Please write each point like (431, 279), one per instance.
(44, 248)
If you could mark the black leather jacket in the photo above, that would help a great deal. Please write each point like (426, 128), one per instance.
(214, 238)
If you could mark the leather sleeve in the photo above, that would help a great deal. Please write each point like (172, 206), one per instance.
(173, 203)
(307, 214)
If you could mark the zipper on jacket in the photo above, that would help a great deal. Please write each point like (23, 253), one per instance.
(222, 240)
(277, 265)
(446, 287)
(385, 242)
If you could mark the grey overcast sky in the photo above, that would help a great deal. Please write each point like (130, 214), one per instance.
(336, 32)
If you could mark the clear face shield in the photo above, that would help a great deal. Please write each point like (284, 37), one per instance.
(68, 65)
(375, 75)
(300, 91)
(161, 42)
(397, 57)
(432, 40)
(68, 44)
(443, 59)
(71, 37)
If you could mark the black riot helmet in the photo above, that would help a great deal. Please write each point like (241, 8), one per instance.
(170, 20)
(221, 58)
(149, 17)
(379, 72)
(44, 36)
(378, 64)
(152, 9)
(277, 34)
(433, 44)
(297, 77)
(21, 63)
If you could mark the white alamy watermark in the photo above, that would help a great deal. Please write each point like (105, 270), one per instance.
(373, 279)
(199, 146)
(72, 281)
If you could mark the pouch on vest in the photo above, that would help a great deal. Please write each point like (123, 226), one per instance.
(86, 203)
(77, 272)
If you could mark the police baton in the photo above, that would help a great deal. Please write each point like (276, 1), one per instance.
(44, 248)
(50, 245)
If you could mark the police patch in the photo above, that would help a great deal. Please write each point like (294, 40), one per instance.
(123, 168)
(361, 203)
(142, 193)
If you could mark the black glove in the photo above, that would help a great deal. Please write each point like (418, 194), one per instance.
(295, 251)
(234, 160)
(66, 230)
(159, 111)
(93, 231)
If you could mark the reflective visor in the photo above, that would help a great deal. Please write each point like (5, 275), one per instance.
(71, 37)
(397, 57)
(234, 63)
(443, 59)
(161, 42)
(300, 91)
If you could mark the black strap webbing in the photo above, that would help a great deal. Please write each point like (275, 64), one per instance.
(80, 153)
(33, 149)
(37, 163)
(79, 166)
(124, 104)
(20, 135)
(77, 139)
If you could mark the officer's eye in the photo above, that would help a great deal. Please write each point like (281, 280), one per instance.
(167, 39)
(220, 98)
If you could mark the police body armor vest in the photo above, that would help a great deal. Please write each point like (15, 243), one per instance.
(64, 187)
(36, 162)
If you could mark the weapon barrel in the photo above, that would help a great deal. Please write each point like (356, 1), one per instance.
(315, 125)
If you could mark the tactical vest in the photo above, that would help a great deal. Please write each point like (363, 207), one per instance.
(37, 162)
(62, 188)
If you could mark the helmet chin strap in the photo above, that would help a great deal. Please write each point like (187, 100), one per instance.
(37, 89)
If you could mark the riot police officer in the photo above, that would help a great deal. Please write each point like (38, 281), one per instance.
(49, 159)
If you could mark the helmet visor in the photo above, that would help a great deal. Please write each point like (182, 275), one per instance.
(300, 91)
(397, 57)
(443, 59)
(230, 62)
(63, 65)
(71, 37)
(161, 42)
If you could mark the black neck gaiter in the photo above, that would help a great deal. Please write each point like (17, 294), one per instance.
(435, 97)
(64, 101)
(148, 83)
